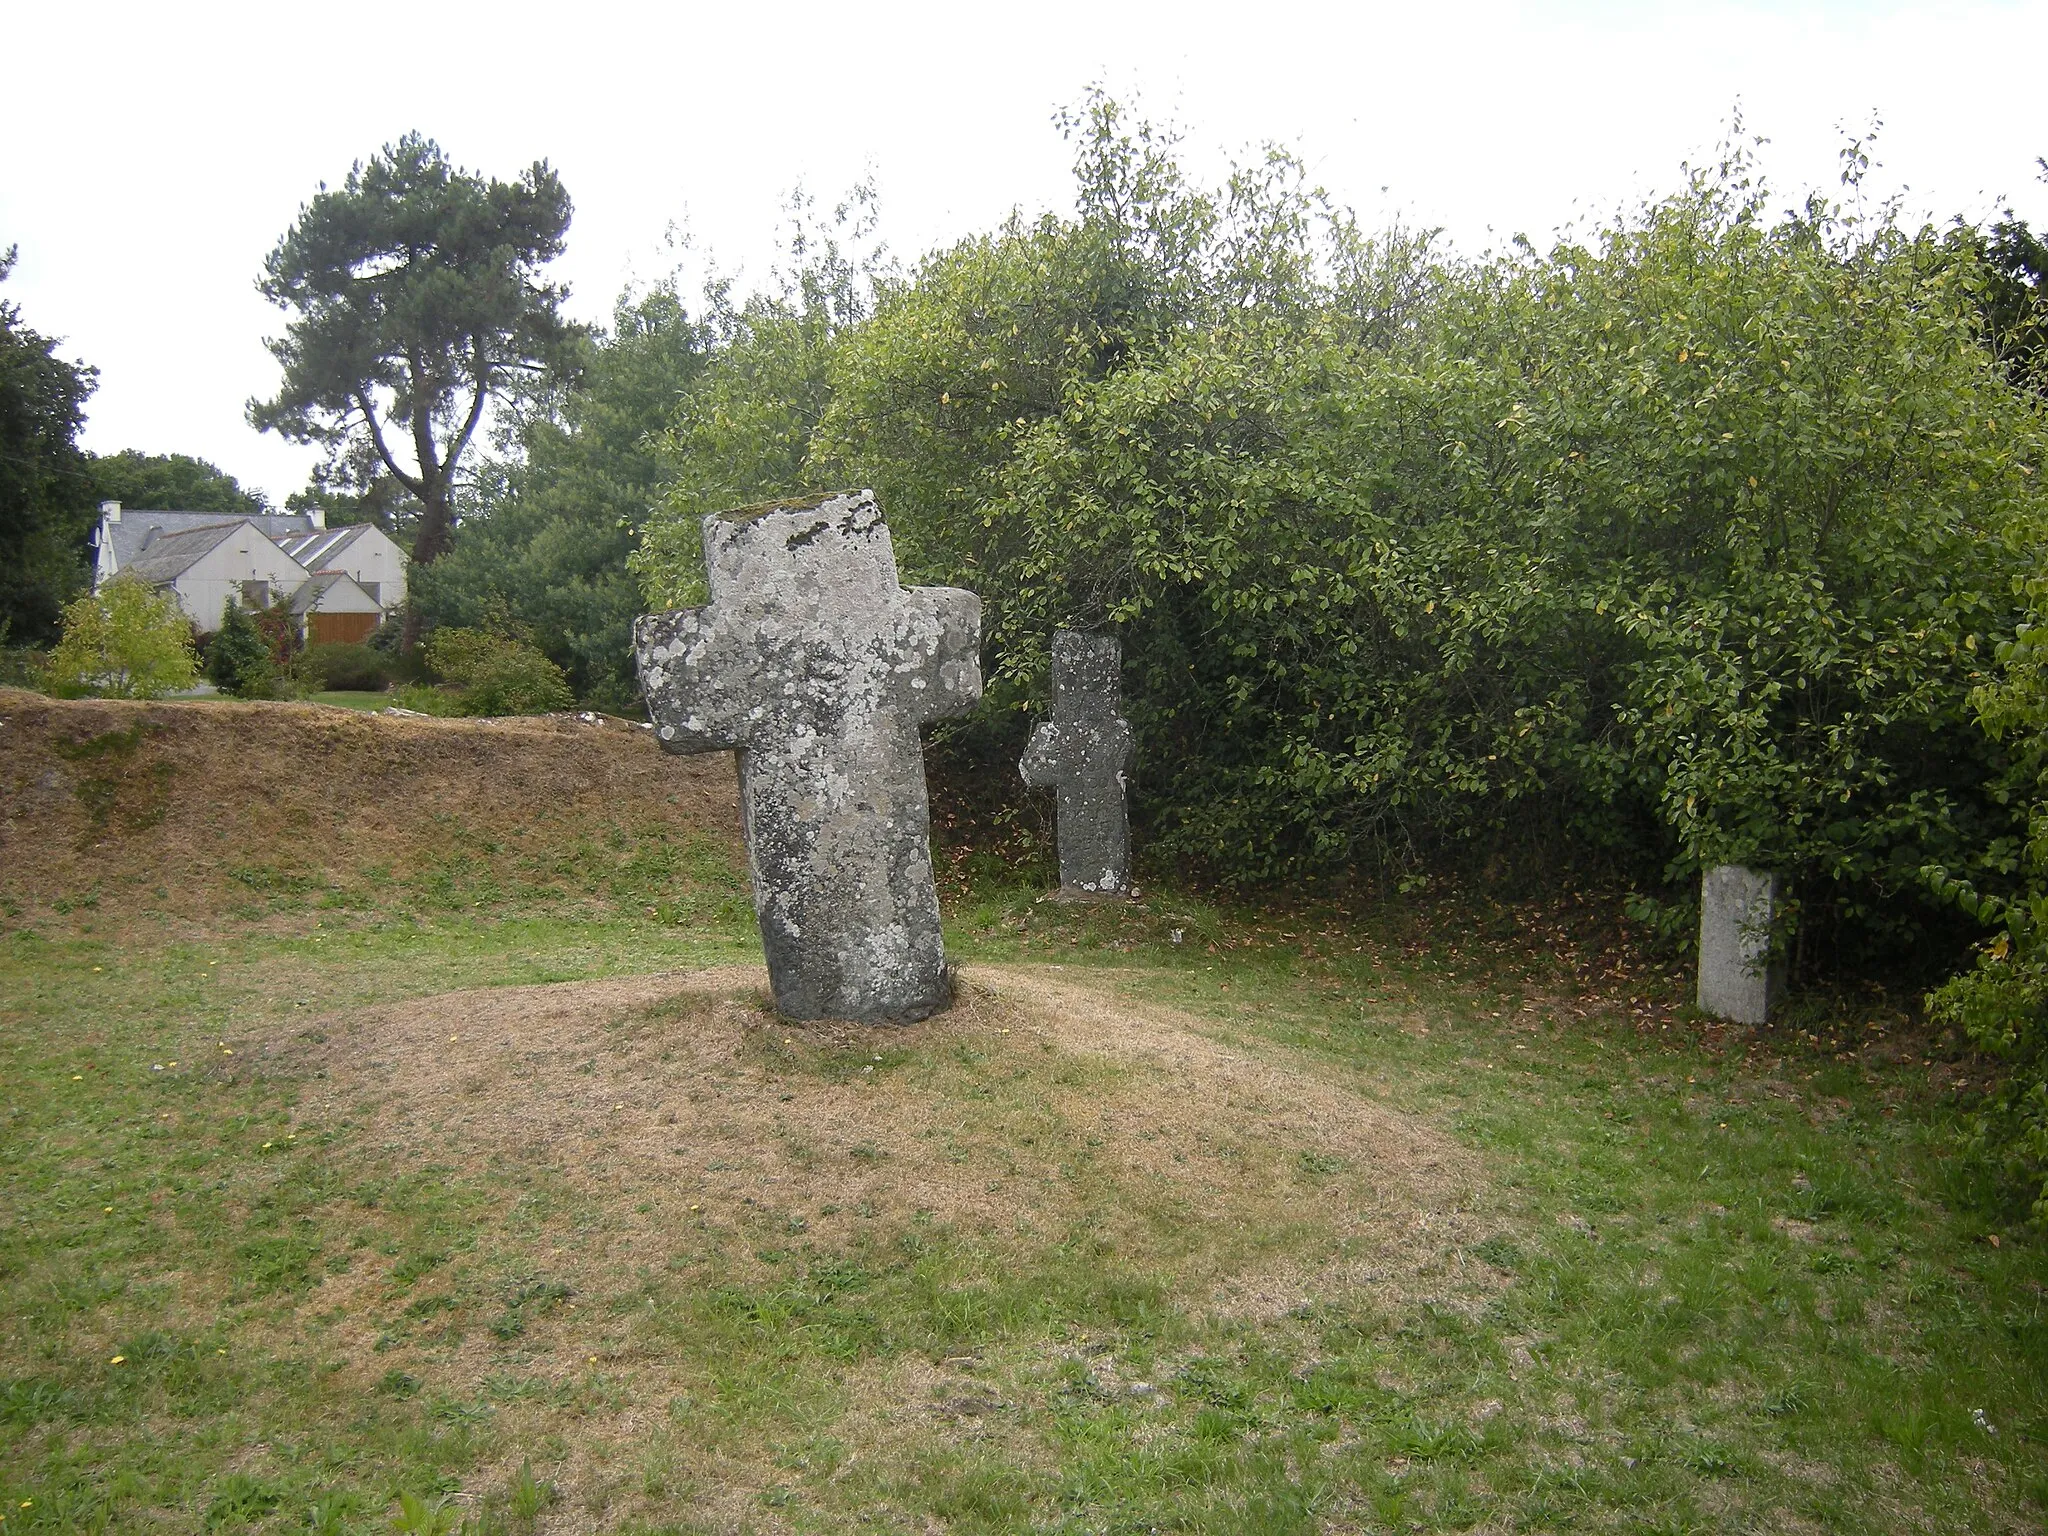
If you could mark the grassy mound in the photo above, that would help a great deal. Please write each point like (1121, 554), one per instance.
(180, 813)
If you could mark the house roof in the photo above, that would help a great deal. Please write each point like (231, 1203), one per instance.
(314, 549)
(173, 554)
(137, 529)
(311, 595)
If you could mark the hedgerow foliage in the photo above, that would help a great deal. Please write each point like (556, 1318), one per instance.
(2002, 1002)
(1679, 543)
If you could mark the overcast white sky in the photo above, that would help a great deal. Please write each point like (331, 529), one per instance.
(150, 155)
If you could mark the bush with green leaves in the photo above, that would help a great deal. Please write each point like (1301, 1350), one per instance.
(496, 674)
(128, 640)
(1682, 542)
(238, 656)
(350, 667)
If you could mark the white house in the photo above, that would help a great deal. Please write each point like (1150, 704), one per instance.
(363, 552)
(340, 582)
(217, 563)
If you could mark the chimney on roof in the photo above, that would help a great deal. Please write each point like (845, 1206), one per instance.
(318, 516)
(111, 511)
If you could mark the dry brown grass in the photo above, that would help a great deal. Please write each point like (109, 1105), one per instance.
(686, 1094)
(207, 787)
(684, 1119)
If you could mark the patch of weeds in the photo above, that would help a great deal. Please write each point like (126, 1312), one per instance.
(449, 1411)
(1785, 1402)
(1499, 1251)
(528, 1495)
(334, 1513)
(399, 1384)
(242, 1500)
(524, 1297)
(268, 1264)
(117, 790)
(1708, 1461)
(1421, 1439)
(419, 1262)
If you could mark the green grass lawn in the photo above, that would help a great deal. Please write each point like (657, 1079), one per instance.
(345, 699)
(1727, 1280)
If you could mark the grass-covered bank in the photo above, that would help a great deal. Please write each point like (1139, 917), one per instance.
(1661, 1280)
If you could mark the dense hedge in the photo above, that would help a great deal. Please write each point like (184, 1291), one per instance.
(1684, 542)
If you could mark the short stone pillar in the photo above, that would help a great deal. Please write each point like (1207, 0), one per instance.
(1739, 980)
(1082, 752)
(818, 667)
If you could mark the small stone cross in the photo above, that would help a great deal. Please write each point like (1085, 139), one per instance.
(818, 667)
(1083, 751)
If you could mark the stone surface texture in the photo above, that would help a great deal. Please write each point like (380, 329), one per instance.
(817, 667)
(1082, 751)
(1738, 980)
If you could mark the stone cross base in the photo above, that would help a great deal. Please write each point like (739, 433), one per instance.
(1738, 979)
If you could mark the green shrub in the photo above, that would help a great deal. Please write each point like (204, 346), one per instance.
(497, 675)
(24, 666)
(2001, 1003)
(126, 641)
(238, 658)
(342, 667)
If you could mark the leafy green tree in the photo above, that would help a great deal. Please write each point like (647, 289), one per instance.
(46, 501)
(417, 297)
(238, 657)
(129, 640)
(170, 482)
(547, 535)
(357, 489)
(744, 430)
(2014, 294)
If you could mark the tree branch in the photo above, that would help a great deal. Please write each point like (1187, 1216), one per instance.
(476, 412)
(410, 482)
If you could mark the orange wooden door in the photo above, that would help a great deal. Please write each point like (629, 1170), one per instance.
(338, 628)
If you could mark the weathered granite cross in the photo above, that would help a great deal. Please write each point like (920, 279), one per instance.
(1083, 751)
(818, 667)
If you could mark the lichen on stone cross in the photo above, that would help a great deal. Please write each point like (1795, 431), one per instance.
(1082, 751)
(817, 667)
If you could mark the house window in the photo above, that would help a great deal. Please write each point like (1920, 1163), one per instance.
(370, 590)
(256, 594)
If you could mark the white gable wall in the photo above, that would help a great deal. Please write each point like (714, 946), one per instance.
(346, 597)
(246, 555)
(373, 557)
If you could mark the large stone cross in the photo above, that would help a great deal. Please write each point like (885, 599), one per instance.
(1082, 751)
(818, 667)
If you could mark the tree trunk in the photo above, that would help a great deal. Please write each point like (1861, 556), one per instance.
(430, 541)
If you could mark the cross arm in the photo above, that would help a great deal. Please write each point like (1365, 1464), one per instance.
(701, 688)
(940, 641)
